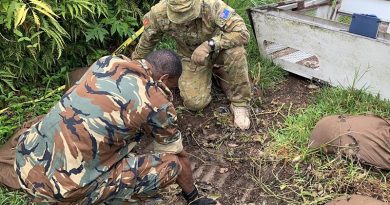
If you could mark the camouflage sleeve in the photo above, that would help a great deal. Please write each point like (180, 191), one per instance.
(149, 37)
(161, 123)
(233, 29)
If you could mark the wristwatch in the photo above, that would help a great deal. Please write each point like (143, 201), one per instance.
(211, 43)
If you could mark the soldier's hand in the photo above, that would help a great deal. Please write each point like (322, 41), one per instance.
(203, 201)
(201, 54)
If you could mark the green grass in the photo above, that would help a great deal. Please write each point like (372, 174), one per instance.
(14, 198)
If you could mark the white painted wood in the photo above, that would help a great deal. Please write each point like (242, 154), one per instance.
(342, 55)
(315, 2)
(380, 8)
(324, 12)
(288, 6)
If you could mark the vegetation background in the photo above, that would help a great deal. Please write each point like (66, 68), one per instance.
(41, 40)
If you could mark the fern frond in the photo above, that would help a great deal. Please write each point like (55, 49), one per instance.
(20, 15)
(44, 12)
(36, 19)
(43, 6)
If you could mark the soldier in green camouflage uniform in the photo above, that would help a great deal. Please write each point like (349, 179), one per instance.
(208, 33)
(80, 152)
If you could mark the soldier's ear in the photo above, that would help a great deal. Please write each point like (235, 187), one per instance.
(164, 77)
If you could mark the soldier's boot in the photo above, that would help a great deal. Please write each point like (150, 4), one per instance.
(241, 117)
(235, 82)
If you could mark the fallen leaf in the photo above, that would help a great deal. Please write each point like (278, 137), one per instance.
(258, 138)
(232, 145)
(212, 137)
(214, 196)
(282, 187)
(223, 170)
(297, 158)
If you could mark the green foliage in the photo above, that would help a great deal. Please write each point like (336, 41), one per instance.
(38, 37)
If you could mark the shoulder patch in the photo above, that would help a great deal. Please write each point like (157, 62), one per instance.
(146, 22)
(225, 15)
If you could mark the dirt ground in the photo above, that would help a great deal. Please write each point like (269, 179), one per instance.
(222, 155)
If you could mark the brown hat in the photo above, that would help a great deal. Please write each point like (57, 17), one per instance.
(180, 11)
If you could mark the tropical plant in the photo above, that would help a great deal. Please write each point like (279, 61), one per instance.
(38, 37)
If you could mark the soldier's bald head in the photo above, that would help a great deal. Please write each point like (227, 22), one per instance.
(165, 62)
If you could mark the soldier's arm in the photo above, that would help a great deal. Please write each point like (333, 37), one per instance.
(233, 29)
(149, 38)
(161, 124)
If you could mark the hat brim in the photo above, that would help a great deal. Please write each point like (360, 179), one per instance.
(187, 16)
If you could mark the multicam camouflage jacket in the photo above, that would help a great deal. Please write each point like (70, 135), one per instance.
(93, 127)
(217, 21)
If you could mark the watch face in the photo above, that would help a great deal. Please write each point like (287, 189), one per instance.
(212, 44)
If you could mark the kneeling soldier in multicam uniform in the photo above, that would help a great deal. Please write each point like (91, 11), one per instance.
(80, 152)
(208, 33)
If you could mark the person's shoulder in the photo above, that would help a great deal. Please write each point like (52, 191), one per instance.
(160, 9)
(215, 8)
(213, 3)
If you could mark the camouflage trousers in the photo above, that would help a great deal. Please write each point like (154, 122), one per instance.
(8, 175)
(132, 178)
(195, 81)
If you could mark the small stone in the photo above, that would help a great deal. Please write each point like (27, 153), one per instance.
(312, 86)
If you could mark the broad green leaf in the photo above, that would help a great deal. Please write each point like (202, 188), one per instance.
(24, 39)
(18, 33)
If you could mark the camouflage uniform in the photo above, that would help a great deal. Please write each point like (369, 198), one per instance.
(80, 152)
(217, 21)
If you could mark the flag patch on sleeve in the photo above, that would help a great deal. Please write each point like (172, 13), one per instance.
(225, 15)
(146, 22)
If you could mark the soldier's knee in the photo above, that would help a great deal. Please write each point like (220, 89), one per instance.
(174, 162)
(197, 103)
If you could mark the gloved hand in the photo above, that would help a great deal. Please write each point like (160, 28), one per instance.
(203, 201)
(201, 53)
